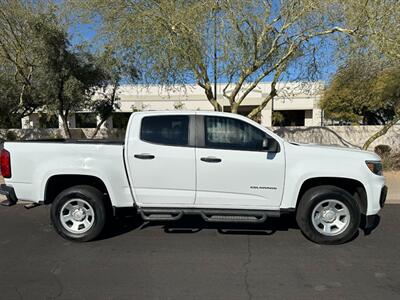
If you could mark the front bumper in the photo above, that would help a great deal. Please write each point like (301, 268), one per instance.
(382, 198)
(9, 192)
(370, 222)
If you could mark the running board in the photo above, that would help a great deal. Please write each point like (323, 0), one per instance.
(208, 215)
(233, 218)
(156, 214)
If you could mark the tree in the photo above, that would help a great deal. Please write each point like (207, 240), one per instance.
(372, 57)
(70, 76)
(20, 50)
(364, 93)
(376, 23)
(116, 69)
(255, 40)
(9, 100)
(47, 72)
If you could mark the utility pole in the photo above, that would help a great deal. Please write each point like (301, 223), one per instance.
(215, 52)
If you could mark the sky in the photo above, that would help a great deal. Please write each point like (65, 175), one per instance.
(86, 33)
(81, 33)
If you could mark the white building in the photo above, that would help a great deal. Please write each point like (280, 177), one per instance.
(297, 104)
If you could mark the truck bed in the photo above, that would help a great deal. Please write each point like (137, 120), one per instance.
(74, 141)
(34, 162)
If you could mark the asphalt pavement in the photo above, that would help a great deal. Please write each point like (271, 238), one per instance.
(194, 260)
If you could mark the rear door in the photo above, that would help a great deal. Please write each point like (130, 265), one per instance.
(161, 159)
(233, 170)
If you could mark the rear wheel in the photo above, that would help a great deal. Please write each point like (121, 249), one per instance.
(328, 215)
(79, 213)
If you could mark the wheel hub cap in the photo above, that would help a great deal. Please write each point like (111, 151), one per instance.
(329, 216)
(78, 214)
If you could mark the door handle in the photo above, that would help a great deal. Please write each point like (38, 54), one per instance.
(144, 156)
(211, 159)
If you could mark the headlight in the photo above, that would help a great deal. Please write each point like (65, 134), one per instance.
(375, 166)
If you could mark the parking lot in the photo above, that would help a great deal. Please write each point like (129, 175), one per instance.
(194, 260)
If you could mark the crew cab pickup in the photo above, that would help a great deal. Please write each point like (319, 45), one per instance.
(223, 167)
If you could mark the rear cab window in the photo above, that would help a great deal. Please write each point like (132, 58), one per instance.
(172, 130)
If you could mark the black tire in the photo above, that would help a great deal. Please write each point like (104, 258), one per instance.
(88, 197)
(315, 198)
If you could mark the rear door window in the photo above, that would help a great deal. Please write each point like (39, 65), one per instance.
(165, 130)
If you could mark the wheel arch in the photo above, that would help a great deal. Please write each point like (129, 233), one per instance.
(354, 187)
(58, 183)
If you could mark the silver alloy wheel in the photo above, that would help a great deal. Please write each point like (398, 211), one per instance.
(330, 217)
(77, 216)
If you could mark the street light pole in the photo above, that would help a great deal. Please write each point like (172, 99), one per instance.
(215, 53)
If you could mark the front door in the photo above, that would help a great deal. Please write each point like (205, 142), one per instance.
(233, 170)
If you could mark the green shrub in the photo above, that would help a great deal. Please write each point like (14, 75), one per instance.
(383, 150)
(391, 162)
(11, 136)
(55, 135)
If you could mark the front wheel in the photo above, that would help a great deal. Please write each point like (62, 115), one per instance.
(79, 213)
(328, 215)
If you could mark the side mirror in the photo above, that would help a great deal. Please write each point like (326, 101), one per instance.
(271, 145)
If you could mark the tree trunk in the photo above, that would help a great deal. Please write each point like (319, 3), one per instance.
(380, 133)
(234, 108)
(211, 98)
(107, 114)
(96, 131)
(67, 132)
(256, 111)
(217, 106)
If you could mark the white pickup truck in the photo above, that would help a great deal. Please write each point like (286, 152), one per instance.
(223, 167)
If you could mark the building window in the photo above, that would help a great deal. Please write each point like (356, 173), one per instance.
(86, 120)
(120, 120)
(48, 121)
(10, 123)
(288, 118)
(244, 110)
